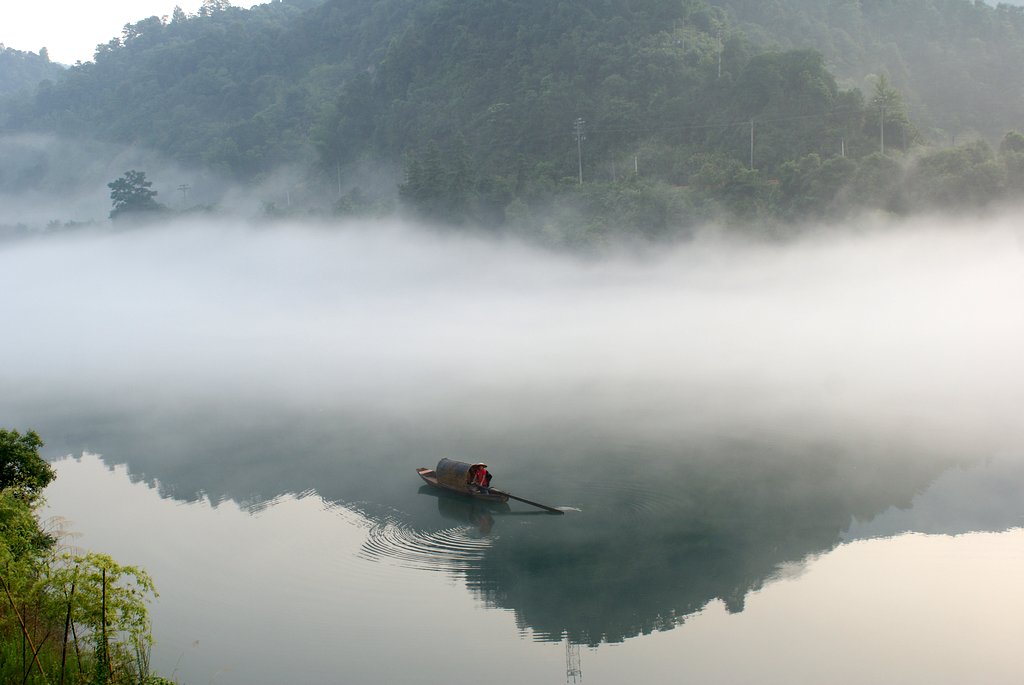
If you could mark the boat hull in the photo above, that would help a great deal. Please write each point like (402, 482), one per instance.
(430, 478)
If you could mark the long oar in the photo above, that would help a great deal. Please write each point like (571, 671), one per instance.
(526, 501)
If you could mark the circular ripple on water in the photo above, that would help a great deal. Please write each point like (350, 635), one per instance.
(451, 549)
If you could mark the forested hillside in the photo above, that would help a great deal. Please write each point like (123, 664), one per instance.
(24, 70)
(958, 62)
(575, 120)
(236, 90)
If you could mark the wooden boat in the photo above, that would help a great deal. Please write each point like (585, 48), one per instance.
(454, 476)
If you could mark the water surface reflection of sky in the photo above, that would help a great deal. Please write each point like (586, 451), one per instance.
(285, 592)
(282, 594)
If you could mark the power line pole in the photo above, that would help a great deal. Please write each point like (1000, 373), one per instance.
(184, 188)
(751, 143)
(881, 126)
(719, 52)
(577, 130)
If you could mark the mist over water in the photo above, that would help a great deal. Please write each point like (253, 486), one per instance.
(914, 329)
(721, 417)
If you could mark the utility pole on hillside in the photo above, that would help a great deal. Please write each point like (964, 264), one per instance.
(881, 126)
(577, 130)
(719, 52)
(751, 144)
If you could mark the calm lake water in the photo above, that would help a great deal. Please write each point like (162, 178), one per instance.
(779, 465)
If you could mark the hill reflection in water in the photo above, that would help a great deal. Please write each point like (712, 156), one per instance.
(665, 524)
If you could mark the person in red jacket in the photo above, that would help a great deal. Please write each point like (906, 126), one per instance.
(481, 477)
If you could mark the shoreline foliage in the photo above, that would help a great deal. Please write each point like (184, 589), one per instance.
(64, 617)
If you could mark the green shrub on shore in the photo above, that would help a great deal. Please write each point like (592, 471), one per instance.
(64, 618)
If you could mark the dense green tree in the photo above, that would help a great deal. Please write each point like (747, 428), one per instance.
(21, 467)
(440, 185)
(1012, 142)
(210, 7)
(743, 192)
(810, 187)
(1011, 156)
(638, 207)
(21, 539)
(132, 194)
(877, 183)
(964, 176)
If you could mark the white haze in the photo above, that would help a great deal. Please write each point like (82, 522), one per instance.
(39, 168)
(916, 329)
(48, 179)
(71, 30)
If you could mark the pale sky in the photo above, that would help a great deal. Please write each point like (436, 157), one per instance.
(71, 29)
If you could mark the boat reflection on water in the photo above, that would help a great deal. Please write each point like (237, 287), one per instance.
(477, 513)
(466, 510)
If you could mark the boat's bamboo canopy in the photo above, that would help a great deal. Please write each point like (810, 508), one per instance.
(454, 474)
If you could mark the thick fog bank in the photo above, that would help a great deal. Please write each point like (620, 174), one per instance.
(914, 329)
